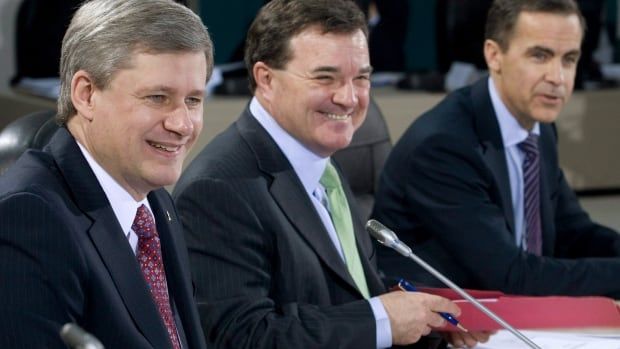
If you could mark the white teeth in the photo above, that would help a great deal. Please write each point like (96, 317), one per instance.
(337, 117)
(162, 147)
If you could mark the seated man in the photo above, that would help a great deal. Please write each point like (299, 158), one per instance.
(278, 254)
(87, 233)
(474, 185)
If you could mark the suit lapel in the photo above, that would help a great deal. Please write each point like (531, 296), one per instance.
(491, 146)
(174, 253)
(169, 245)
(288, 192)
(108, 238)
(373, 280)
(547, 159)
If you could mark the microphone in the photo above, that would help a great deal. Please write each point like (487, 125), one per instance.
(76, 338)
(388, 238)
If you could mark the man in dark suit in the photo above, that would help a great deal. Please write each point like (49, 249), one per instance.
(87, 233)
(268, 223)
(474, 184)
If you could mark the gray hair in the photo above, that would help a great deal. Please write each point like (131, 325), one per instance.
(104, 34)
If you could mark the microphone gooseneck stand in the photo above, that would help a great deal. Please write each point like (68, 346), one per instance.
(388, 238)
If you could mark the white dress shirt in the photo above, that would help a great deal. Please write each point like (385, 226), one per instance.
(123, 204)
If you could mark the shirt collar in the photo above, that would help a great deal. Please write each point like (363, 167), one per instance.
(122, 203)
(512, 132)
(308, 166)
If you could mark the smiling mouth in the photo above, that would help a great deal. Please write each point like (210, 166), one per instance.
(552, 98)
(166, 148)
(337, 116)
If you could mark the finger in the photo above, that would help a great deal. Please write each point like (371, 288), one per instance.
(470, 340)
(446, 306)
(435, 320)
(426, 330)
(456, 339)
(483, 336)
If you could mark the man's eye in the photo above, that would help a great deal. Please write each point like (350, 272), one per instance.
(539, 56)
(571, 60)
(363, 79)
(156, 98)
(193, 101)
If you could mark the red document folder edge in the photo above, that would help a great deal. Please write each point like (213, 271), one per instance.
(533, 312)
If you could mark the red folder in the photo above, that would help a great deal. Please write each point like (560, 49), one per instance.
(533, 312)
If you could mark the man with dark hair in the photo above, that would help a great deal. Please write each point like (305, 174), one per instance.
(474, 184)
(279, 255)
(88, 234)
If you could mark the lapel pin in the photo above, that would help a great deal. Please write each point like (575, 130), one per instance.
(169, 218)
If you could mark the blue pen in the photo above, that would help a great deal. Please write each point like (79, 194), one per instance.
(406, 286)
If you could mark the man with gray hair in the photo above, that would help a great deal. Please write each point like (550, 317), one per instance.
(88, 235)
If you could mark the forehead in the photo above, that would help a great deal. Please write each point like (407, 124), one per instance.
(184, 68)
(312, 47)
(556, 31)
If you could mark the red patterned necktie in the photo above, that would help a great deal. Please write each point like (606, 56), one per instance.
(149, 257)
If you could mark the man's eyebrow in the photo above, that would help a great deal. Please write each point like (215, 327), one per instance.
(168, 90)
(157, 88)
(540, 49)
(325, 69)
(550, 52)
(366, 70)
(575, 52)
(331, 69)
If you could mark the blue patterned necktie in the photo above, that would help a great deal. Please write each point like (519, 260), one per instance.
(531, 194)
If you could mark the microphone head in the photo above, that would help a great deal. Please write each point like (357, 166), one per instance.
(387, 237)
(381, 232)
(75, 337)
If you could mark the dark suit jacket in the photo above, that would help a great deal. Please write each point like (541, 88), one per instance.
(266, 272)
(445, 190)
(64, 258)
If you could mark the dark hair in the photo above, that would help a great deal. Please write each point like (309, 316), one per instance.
(503, 16)
(278, 21)
(105, 34)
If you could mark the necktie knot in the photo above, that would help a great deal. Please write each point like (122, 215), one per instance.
(530, 145)
(143, 224)
(330, 179)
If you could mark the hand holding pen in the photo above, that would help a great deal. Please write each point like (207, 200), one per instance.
(413, 315)
(404, 285)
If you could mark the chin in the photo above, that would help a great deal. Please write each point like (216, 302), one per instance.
(546, 118)
(163, 179)
(335, 147)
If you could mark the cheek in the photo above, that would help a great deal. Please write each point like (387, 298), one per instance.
(569, 78)
(357, 122)
(104, 131)
(198, 122)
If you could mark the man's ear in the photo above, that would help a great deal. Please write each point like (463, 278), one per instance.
(493, 56)
(82, 90)
(263, 75)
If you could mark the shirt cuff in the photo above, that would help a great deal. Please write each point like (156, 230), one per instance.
(384, 330)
